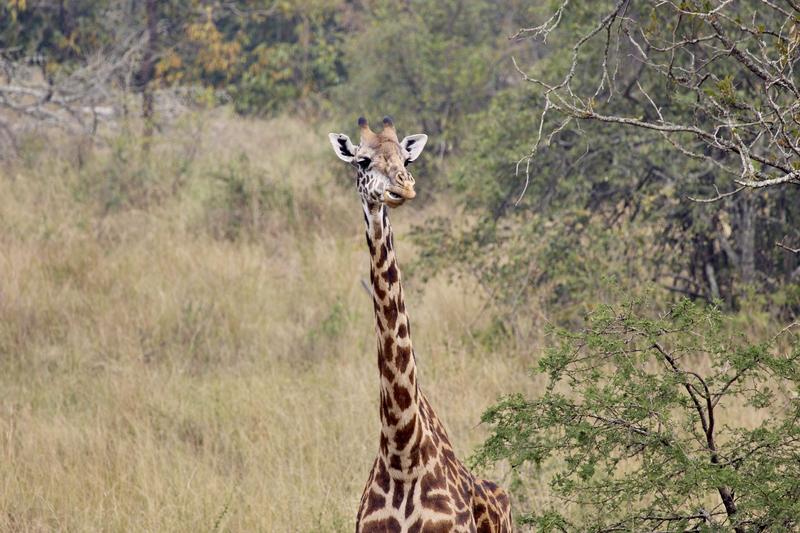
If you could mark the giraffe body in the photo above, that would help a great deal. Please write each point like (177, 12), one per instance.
(416, 484)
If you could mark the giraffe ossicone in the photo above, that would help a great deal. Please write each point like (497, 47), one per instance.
(416, 484)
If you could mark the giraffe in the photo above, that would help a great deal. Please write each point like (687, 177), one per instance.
(416, 483)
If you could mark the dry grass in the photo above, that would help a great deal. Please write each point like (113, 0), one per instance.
(185, 344)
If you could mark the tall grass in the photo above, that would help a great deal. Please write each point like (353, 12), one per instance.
(185, 343)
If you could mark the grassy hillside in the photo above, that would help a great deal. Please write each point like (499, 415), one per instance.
(185, 342)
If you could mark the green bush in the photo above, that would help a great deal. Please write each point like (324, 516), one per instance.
(654, 421)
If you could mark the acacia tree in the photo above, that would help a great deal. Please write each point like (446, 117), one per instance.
(672, 423)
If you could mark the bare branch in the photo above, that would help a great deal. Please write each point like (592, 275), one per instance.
(718, 197)
(758, 131)
(795, 251)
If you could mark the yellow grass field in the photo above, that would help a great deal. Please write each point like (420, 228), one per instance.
(185, 342)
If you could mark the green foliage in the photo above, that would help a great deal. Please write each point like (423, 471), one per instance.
(663, 422)
(429, 63)
(292, 54)
(264, 56)
(63, 36)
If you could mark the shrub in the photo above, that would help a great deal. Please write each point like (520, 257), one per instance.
(668, 423)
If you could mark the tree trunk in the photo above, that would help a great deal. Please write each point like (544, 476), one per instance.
(747, 238)
(712, 281)
(730, 506)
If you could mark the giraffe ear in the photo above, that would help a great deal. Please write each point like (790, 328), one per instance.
(342, 146)
(413, 144)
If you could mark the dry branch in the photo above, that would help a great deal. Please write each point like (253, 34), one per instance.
(752, 141)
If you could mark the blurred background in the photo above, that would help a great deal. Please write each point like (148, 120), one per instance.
(185, 342)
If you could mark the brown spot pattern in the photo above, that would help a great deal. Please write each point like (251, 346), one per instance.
(388, 525)
(382, 477)
(403, 358)
(398, 494)
(390, 313)
(437, 527)
(401, 397)
(410, 499)
(391, 274)
(382, 258)
(374, 502)
(403, 435)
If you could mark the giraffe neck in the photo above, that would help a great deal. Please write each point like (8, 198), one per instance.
(400, 398)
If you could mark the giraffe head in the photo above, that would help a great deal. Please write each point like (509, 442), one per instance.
(381, 160)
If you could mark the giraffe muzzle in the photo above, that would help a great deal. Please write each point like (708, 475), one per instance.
(396, 196)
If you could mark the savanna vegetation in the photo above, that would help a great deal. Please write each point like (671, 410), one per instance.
(602, 264)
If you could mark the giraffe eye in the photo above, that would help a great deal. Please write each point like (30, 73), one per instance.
(364, 163)
(406, 162)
